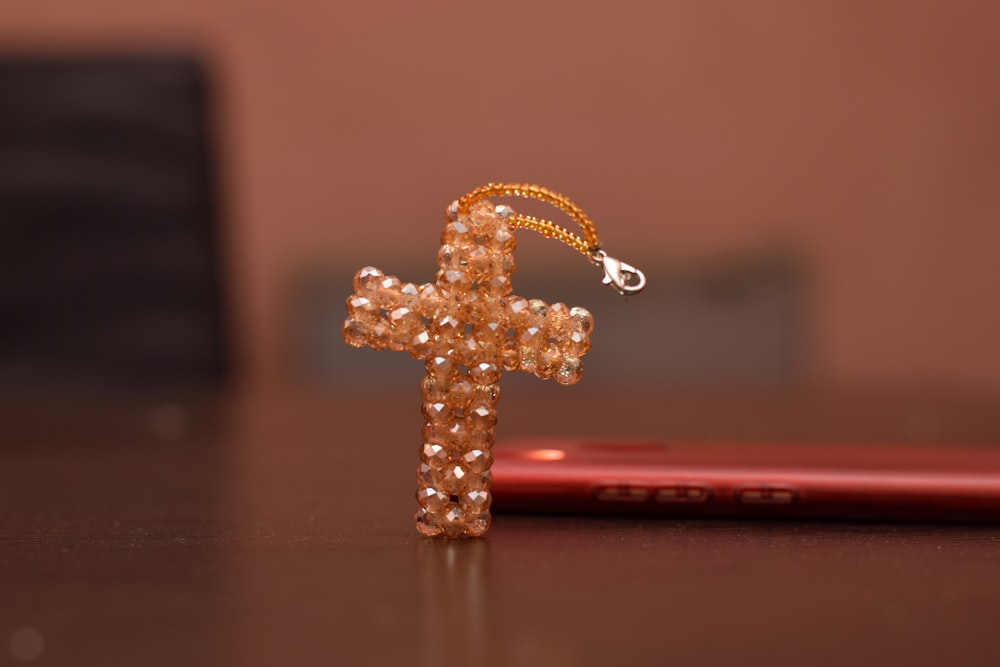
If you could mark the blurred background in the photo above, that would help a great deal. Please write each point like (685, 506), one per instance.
(811, 187)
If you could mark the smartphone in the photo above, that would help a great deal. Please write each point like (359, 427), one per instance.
(749, 479)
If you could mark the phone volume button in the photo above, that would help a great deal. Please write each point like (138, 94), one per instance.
(684, 493)
(619, 493)
(766, 495)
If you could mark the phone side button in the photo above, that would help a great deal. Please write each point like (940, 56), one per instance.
(766, 495)
(621, 493)
(683, 493)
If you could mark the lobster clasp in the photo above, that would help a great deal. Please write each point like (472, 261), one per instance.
(623, 278)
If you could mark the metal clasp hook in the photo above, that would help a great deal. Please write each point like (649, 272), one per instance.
(624, 278)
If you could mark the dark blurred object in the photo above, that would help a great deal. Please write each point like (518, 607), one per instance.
(109, 262)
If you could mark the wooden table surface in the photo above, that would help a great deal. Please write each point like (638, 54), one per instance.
(275, 528)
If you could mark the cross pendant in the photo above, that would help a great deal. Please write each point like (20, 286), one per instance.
(467, 327)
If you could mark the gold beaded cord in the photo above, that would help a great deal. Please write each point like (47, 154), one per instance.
(468, 327)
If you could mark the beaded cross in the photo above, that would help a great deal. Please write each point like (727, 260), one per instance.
(468, 327)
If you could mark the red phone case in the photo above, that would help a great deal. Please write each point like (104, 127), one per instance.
(850, 481)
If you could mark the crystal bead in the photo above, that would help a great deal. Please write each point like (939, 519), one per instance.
(434, 389)
(427, 475)
(437, 412)
(517, 311)
(477, 460)
(404, 321)
(510, 355)
(539, 309)
(442, 365)
(409, 296)
(466, 351)
(583, 316)
(458, 234)
(489, 331)
(478, 260)
(421, 345)
(483, 440)
(477, 481)
(570, 370)
(379, 335)
(454, 281)
(557, 319)
(483, 215)
(427, 524)
(486, 394)
(355, 333)
(549, 361)
(484, 373)
(361, 308)
(431, 499)
(455, 434)
(481, 417)
(532, 337)
(477, 525)
(475, 501)
(434, 455)
(454, 479)
(576, 343)
(448, 327)
(366, 281)
(430, 300)
(453, 522)
(502, 264)
(387, 293)
(449, 257)
(503, 240)
(497, 286)
(462, 391)
(475, 306)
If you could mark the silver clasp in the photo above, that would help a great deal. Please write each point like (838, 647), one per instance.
(624, 278)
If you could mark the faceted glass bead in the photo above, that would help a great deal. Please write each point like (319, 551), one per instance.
(489, 331)
(454, 434)
(366, 280)
(478, 260)
(443, 366)
(486, 394)
(437, 412)
(481, 417)
(462, 391)
(379, 335)
(448, 327)
(409, 295)
(453, 522)
(427, 523)
(477, 481)
(557, 319)
(449, 257)
(421, 345)
(497, 286)
(477, 460)
(404, 320)
(484, 373)
(483, 440)
(427, 475)
(457, 282)
(503, 240)
(477, 524)
(517, 311)
(538, 308)
(532, 337)
(434, 455)
(355, 333)
(570, 370)
(475, 501)
(433, 389)
(483, 215)
(583, 316)
(510, 355)
(458, 233)
(502, 264)
(387, 293)
(361, 308)
(475, 306)
(430, 300)
(549, 361)
(576, 343)
(466, 350)
(431, 499)
(453, 479)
